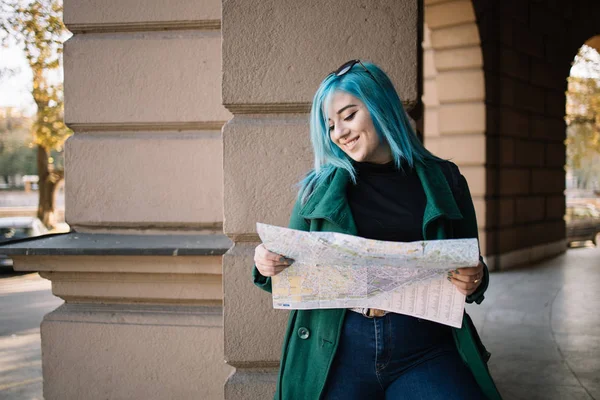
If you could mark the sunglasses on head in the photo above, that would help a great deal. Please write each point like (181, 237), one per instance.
(347, 66)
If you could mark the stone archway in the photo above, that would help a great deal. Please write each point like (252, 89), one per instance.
(454, 95)
(494, 83)
(594, 42)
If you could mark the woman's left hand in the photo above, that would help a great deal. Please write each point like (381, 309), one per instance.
(467, 280)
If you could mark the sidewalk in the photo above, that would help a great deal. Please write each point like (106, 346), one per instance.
(24, 299)
(542, 326)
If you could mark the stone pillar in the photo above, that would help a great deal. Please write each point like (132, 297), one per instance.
(275, 53)
(525, 81)
(454, 96)
(141, 276)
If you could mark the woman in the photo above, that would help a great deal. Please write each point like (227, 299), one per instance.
(374, 179)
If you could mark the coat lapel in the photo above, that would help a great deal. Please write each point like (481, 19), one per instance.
(440, 200)
(329, 200)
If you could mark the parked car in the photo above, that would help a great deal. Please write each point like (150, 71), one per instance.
(13, 228)
(583, 223)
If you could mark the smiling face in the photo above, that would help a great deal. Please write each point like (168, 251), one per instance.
(351, 129)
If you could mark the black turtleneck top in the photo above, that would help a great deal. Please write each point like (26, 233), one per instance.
(387, 203)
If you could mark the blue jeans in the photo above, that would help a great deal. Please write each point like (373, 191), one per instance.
(398, 357)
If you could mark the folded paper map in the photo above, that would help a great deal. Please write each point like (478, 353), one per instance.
(334, 270)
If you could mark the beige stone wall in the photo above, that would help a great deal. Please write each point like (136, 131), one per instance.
(143, 82)
(132, 180)
(98, 352)
(281, 67)
(275, 53)
(143, 97)
(190, 280)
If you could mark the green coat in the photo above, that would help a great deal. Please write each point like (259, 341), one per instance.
(312, 336)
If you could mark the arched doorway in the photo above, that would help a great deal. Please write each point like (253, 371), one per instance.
(583, 146)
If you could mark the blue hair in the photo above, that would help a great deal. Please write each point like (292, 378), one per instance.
(388, 115)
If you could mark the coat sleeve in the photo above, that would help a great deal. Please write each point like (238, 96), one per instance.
(467, 228)
(296, 222)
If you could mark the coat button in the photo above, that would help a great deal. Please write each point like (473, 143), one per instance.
(303, 333)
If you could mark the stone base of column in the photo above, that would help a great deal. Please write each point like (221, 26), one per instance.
(251, 384)
(525, 256)
(253, 329)
(97, 351)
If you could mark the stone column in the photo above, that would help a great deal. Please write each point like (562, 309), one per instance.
(454, 96)
(141, 276)
(275, 53)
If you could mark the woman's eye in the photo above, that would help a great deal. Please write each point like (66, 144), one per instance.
(330, 128)
(350, 117)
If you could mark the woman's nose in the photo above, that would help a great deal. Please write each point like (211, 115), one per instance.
(339, 131)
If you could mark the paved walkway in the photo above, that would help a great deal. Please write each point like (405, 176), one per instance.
(542, 326)
(24, 299)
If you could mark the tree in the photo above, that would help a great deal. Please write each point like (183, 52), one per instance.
(583, 157)
(17, 155)
(583, 118)
(37, 27)
(17, 159)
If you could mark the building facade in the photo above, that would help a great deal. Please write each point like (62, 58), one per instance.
(190, 121)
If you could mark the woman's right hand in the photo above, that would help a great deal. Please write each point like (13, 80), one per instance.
(269, 263)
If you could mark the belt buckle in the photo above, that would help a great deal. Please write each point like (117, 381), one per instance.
(373, 312)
